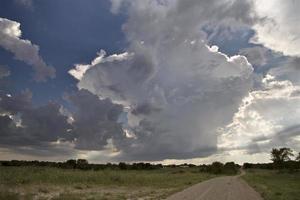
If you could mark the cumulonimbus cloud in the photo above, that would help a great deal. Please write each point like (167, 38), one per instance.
(176, 91)
(169, 95)
(23, 50)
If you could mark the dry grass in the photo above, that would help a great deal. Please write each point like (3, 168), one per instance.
(53, 183)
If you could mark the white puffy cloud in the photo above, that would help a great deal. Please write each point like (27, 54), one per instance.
(80, 69)
(267, 118)
(280, 29)
(273, 110)
(24, 50)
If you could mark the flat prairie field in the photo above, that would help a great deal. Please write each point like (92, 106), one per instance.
(274, 184)
(54, 183)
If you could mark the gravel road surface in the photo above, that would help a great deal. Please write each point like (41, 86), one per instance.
(222, 188)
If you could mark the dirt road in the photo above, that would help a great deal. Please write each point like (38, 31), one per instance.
(222, 188)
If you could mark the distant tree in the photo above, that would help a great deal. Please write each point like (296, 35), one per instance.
(122, 165)
(231, 168)
(248, 165)
(298, 157)
(71, 163)
(82, 164)
(279, 156)
(216, 168)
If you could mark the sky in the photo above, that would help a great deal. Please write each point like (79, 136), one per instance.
(165, 81)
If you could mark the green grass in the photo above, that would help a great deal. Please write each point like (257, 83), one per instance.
(275, 185)
(102, 184)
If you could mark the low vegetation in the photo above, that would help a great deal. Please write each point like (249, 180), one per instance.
(28, 182)
(78, 179)
(275, 184)
(278, 180)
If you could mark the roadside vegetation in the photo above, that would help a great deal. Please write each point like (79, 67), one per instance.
(277, 180)
(77, 179)
(274, 184)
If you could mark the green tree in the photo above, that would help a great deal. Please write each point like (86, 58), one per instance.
(216, 168)
(122, 165)
(71, 163)
(82, 164)
(279, 156)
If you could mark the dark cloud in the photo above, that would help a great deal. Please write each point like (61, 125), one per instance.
(40, 128)
(282, 138)
(15, 104)
(25, 125)
(257, 55)
(7, 128)
(95, 120)
(144, 109)
(142, 67)
(295, 63)
(288, 69)
(46, 123)
(26, 129)
(279, 138)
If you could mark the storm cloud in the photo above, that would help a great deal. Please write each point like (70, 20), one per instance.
(95, 121)
(171, 93)
(25, 125)
(176, 91)
(38, 129)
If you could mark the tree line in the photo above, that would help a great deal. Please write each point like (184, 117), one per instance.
(81, 164)
(281, 159)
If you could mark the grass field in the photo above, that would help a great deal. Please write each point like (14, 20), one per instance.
(53, 183)
(275, 185)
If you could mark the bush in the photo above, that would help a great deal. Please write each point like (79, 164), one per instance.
(122, 166)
